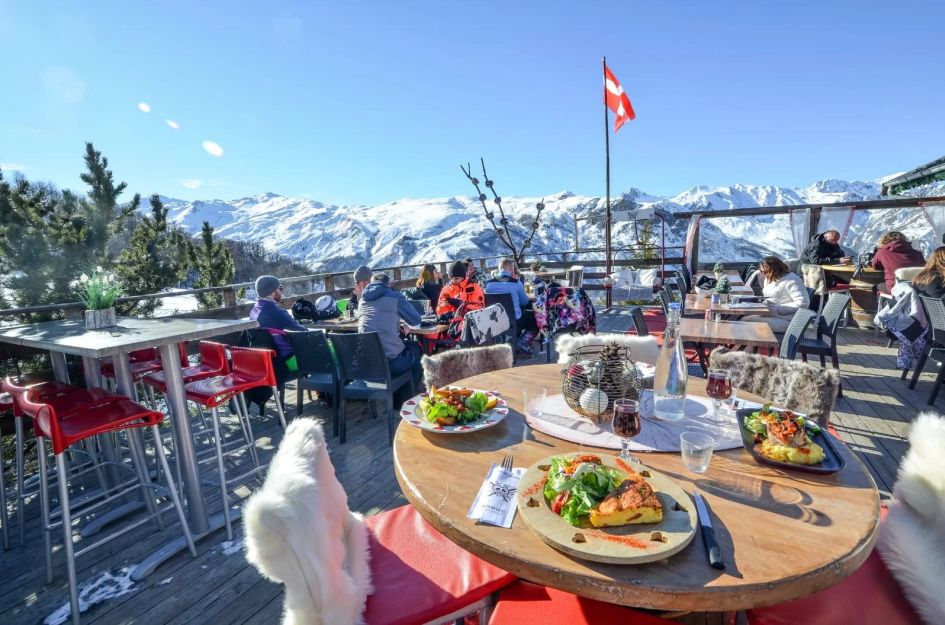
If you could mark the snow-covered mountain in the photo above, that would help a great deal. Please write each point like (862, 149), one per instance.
(409, 231)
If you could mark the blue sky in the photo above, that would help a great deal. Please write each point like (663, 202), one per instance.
(365, 102)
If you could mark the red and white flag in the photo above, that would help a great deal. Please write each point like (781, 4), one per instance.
(616, 100)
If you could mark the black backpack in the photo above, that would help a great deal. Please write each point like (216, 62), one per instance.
(304, 310)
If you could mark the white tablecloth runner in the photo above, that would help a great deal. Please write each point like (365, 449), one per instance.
(560, 421)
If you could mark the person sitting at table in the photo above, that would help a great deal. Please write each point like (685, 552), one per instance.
(506, 281)
(381, 311)
(893, 252)
(430, 283)
(931, 280)
(461, 295)
(362, 277)
(275, 319)
(784, 294)
(824, 249)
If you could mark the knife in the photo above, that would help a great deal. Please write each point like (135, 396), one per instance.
(708, 534)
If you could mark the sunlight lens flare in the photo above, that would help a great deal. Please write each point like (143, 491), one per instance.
(213, 148)
(173, 124)
(144, 107)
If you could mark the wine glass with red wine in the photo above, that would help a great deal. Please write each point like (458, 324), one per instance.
(719, 388)
(626, 424)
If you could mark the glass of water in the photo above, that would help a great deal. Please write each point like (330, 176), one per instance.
(535, 401)
(696, 449)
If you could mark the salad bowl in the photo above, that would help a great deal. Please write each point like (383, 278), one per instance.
(413, 413)
(627, 544)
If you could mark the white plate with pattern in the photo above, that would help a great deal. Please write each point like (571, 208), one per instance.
(411, 413)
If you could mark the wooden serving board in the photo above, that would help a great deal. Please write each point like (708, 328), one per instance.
(629, 544)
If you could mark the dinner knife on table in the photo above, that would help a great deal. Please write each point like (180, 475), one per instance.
(708, 534)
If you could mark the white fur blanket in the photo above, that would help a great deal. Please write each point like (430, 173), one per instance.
(912, 538)
(299, 532)
(642, 348)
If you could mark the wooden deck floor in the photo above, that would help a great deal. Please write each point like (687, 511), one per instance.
(220, 587)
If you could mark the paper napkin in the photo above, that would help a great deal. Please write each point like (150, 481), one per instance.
(495, 503)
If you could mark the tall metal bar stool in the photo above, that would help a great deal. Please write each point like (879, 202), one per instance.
(252, 368)
(86, 421)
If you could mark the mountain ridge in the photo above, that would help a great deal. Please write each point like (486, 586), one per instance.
(415, 230)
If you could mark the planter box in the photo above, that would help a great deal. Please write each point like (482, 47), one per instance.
(96, 319)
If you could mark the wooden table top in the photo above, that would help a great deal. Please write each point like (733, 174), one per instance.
(71, 337)
(866, 271)
(782, 534)
(702, 304)
(748, 333)
(614, 319)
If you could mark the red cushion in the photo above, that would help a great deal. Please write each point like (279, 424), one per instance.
(419, 574)
(523, 602)
(870, 596)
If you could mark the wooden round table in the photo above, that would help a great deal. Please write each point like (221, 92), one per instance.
(783, 534)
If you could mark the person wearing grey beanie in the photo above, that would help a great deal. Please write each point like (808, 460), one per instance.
(362, 277)
(274, 318)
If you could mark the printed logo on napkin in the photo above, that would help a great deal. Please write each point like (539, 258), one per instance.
(495, 502)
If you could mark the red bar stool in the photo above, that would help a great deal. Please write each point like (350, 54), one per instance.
(63, 432)
(213, 363)
(66, 399)
(252, 368)
(143, 362)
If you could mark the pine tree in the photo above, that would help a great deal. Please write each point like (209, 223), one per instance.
(213, 265)
(104, 217)
(155, 258)
(646, 241)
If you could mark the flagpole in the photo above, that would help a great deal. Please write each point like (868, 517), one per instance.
(607, 264)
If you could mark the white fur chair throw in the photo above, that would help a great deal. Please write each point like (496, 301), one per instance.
(787, 383)
(912, 538)
(642, 348)
(299, 532)
(456, 364)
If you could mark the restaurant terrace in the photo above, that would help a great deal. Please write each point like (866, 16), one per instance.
(197, 405)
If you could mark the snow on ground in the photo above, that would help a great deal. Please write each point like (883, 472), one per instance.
(176, 304)
(104, 586)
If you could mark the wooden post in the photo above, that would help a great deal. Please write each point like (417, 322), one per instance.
(74, 314)
(229, 299)
(814, 222)
(396, 276)
(329, 283)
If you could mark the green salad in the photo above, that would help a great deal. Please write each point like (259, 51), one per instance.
(575, 485)
(757, 422)
(455, 406)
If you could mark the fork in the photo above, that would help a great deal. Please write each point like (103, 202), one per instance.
(507, 462)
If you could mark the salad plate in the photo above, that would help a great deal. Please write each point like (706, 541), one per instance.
(570, 531)
(454, 410)
(831, 463)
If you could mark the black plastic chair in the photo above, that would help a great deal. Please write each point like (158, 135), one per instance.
(505, 301)
(639, 322)
(665, 300)
(934, 345)
(795, 332)
(683, 282)
(827, 327)
(365, 374)
(318, 370)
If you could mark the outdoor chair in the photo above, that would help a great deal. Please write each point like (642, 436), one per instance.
(934, 345)
(897, 584)
(805, 388)
(639, 322)
(575, 276)
(365, 374)
(457, 364)
(505, 301)
(252, 368)
(683, 282)
(213, 362)
(483, 326)
(827, 327)
(413, 573)
(886, 299)
(70, 425)
(318, 370)
(795, 332)
(746, 271)
(524, 602)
